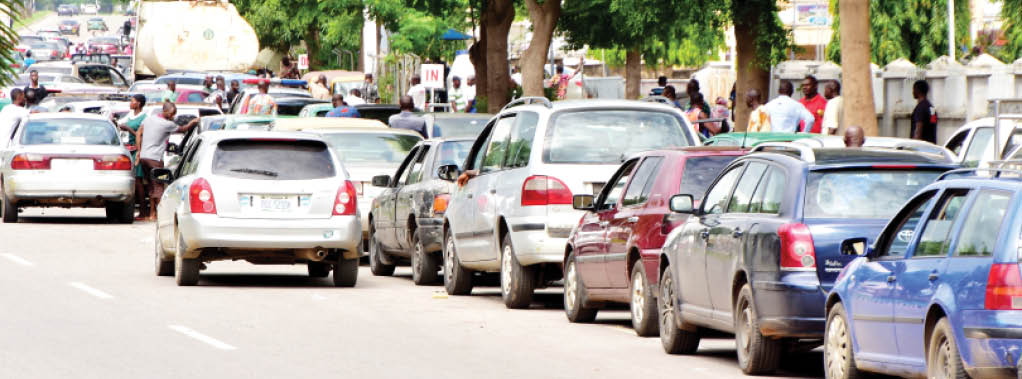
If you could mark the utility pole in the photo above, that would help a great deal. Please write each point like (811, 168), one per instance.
(951, 29)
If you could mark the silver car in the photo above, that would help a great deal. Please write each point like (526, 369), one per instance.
(66, 160)
(263, 197)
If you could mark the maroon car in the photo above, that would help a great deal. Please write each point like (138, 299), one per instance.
(627, 223)
(105, 45)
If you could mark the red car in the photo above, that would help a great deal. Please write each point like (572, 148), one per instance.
(627, 223)
(105, 45)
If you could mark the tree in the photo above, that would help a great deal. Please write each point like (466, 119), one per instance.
(1011, 13)
(12, 9)
(912, 29)
(855, 69)
(323, 25)
(543, 16)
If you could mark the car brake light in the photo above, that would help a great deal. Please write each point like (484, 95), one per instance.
(797, 250)
(440, 203)
(111, 162)
(1004, 287)
(30, 162)
(200, 197)
(345, 201)
(544, 190)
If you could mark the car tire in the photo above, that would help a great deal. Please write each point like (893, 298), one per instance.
(186, 271)
(574, 295)
(942, 357)
(424, 265)
(838, 357)
(345, 272)
(122, 213)
(10, 210)
(674, 340)
(517, 282)
(642, 303)
(376, 264)
(318, 270)
(757, 354)
(164, 266)
(457, 279)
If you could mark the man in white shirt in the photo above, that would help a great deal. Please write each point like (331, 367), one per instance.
(418, 93)
(833, 114)
(470, 93)
(785, 113)
(457, 95)
(12, 112)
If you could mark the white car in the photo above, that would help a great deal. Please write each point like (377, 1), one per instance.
(516, 215)
(973, 143)
(263, 197)
(67, 160)
(90, 9)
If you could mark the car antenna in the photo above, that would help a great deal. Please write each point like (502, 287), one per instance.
(744, 136)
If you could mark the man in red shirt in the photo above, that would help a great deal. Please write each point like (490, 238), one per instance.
(814, 102)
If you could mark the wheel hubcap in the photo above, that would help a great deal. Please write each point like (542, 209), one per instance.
(505, 270)
(836, 353)
(667, 311)
(744, 328)
(638, 300)
(944, 359)
(570, 288)
(449, 261)
(417, 261)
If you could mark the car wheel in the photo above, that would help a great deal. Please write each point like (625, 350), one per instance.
(838, 358)
(164, 266)
(186, 271)
(457, 279)
(424, 265)
(376, 265)
(10, 210)
(516, 282)
(757, 354)
(574, 295)
(318, 269)
(643, 303)
(345, 272)
(123, 213)
(942, 358)
(674, 339)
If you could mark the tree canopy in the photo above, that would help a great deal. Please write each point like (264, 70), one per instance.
(912, 29)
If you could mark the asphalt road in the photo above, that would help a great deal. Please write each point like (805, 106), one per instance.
(52, 22)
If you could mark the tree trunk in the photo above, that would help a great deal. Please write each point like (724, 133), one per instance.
(477, 54)
(312, 47)
(544, 19)
(750, 75)
(633, 73)
(857, 83)
(497, 16)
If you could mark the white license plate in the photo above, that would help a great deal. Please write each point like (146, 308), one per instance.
(272, 203)
(71, 164)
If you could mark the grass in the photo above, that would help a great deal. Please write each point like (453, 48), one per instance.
(36, 16)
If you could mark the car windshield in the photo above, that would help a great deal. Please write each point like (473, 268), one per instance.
(69, 132)
(458, 126)
(873, 193)
(371, 147)
(273, 160)
(700, 172)
(454, 153)
(250, 125)
(609, 136)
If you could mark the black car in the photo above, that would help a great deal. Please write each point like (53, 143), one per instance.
(406, 219)
(380, 112)
(292, 106)
(67, 10)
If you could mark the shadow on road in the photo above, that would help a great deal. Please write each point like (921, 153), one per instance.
(62, 220)
(249, 280)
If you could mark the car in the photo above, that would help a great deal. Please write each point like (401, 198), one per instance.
(46, 51)
(66, 160)
(104, 45)
(96, 24)
(90, 9)
(613, 256)
(199, 78)
(264, 197)
(55, 81)
(323, 123)
(406, 218)
(240, 104)
(454, 125)
(881, 142)
(751, 139)
(315, 110)
(185, 93)
(66, 10)
(92, 73)
(515, 216)
(293, 106)
(758, 255)
(89, 106)
(973, 143)
(937, 293)
(380, 112)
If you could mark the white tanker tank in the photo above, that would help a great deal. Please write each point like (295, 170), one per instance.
(204, 35)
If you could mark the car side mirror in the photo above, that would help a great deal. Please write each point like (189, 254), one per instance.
(583, 202)
(173, 148)
(854, 247)
(163, 175)
(381, 181)
(448, 172)
(682, 204)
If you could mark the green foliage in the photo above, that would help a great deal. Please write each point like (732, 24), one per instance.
(323, 24)
(1011, 12)
(9, 39)
(911, 29)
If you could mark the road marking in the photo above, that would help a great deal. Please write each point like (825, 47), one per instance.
(90, 290)
(18, 260)
(201, 337)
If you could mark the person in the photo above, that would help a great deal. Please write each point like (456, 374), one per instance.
(470, 94)
(854, 136)
(355, 97)
(152, 144)
(516, 75)
(457, 95)
(319, 88)
(207, 84)
(560, 81)
(833, 115)
(759, 120)
(31, 97)
(370, 93)
(418, 93)
(692, 88)
(262, 103)
(234, 91)
(787, 114)
(219, 95)
(131, 123)
(33, 83)
(696, 112)
(288, 70)
(29, 61)
(13, 111)
(127, 27)
(170, 94)
(406, 119)
(720, 110)
(661, 83)
(924, 116)
(813, 102)
(342, 109)
(672, 94)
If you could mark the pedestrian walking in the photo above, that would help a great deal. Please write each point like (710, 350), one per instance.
(370, 93)
(262, 104)
(408, 120)
(833, 115)
(814, 103)
(342, 109)
(661, 83)
(152, 137)
(457, 95)
(924, 116)
(759, 119)
(233, 92)
(132, 123)
(11, 113)
(854, 137)
(697, 112)
(33, 83)
(418, 93)
(319, 88)
(786, 114)
(560, 80)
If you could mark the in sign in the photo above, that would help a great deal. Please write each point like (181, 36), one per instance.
(432, 75)
(303, 61)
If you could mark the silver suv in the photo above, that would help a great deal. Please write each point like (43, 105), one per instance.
(514, 216)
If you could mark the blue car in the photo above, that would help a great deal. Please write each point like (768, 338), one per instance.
(938, 293)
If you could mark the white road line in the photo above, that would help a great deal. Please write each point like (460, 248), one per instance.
(90, 290)
(18, 260)
(201, 337)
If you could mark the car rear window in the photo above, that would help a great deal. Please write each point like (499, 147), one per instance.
(700, 172)
(863, 193)
(69, 132)
(609, 136)
(371, 147)
(458, 127)
(273, 159)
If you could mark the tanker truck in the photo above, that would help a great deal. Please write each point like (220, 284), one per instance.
(197, 35)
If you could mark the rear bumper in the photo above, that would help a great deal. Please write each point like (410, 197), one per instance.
(534, 246)
(431, 233)
(993, 342)
(791, 307)
(29, 186)
(211, 231)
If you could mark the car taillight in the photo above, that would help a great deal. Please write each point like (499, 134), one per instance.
(200, 197)
(345, 201)
(111, 162)
(440, 203)
(544, 190)
(53, 54)
(797, 250)
(30, 162)
(1004, 287)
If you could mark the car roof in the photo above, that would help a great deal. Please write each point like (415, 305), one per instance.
(837, 157)
(325, 123)
(66, 116)
(395, 131)
(695, 151)
(220, 135)
(596, 103)
(439, 115)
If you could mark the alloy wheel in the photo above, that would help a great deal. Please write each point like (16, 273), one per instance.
(638, 299)
(417, 261)
(744, 332)
(944, 359)
(667, 299)
(838, 344)
(449, 261)
(505, 270)
(570, 287)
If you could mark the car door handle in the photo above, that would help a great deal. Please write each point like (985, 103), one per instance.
(933, 276)
(891, 278)
(633, 219)
(705, 234)
(737, 233)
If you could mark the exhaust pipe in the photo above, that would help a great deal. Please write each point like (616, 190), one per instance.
(313, 255)
(321, 253)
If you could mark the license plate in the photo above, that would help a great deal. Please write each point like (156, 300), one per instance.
(272, 203)
(71, 165)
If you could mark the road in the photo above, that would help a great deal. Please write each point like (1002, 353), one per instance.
(52, 22)
(81, 300)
